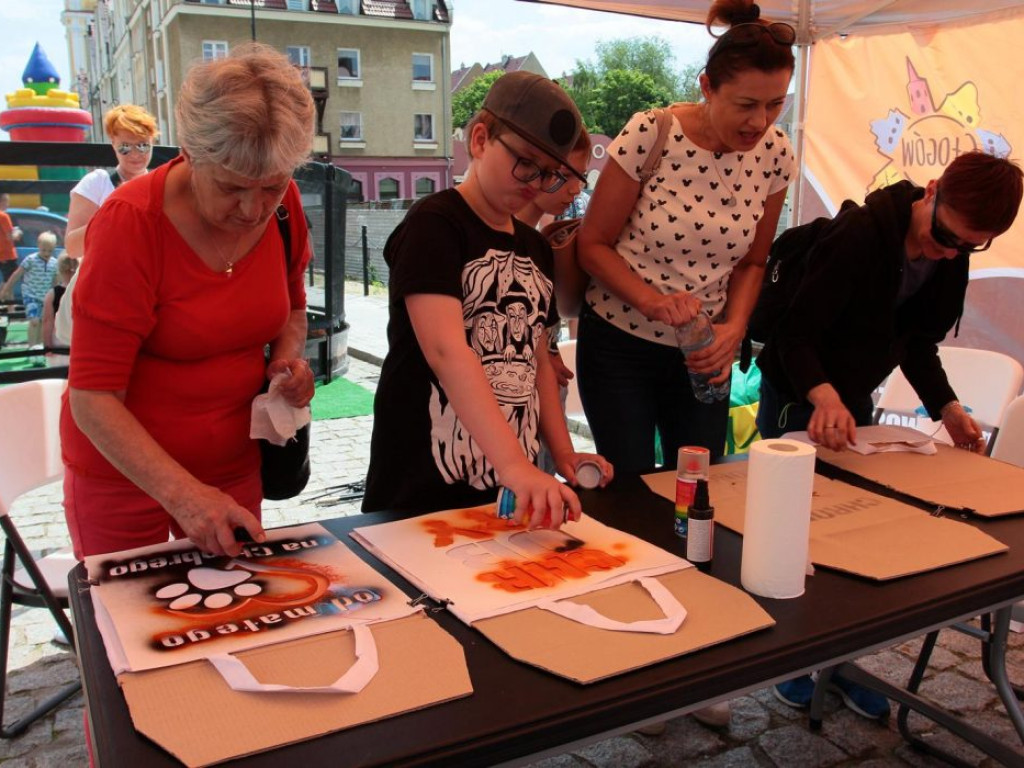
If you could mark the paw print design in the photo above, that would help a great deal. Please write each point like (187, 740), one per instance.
(209, 588)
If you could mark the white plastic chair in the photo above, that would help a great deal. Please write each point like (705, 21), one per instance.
(29, 458)
(984, 381)
(1009, 443)
(573, 405)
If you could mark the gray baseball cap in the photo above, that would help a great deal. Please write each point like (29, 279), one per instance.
(537, 109)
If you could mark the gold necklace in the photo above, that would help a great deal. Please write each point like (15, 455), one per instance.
(228, 265)
(705, 126)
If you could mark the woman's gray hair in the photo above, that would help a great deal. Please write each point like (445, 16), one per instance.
(249, 113)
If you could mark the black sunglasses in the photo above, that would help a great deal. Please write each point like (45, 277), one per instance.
(945, 238)
(525, 170)
(126, 149)
(750, 33)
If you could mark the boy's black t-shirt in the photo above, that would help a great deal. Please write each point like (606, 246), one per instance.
(422, 459)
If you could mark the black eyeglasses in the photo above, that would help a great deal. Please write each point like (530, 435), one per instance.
(525, 170)
(945, 238)
(750, 33)
(142, 148)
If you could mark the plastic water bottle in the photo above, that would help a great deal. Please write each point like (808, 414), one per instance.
(696, 335)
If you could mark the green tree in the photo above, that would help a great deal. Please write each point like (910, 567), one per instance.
(690, 90)
(651, 55)
(621, 93)
(466, 102)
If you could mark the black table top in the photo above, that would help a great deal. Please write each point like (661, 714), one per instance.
(517, 710)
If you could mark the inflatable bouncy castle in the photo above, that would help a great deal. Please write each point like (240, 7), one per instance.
(42, 112)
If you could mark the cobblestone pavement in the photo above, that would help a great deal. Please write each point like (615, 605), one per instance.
(763, 732)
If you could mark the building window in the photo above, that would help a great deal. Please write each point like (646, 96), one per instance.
(346, 6)
(215, 49)
(422, 68)
(420, 9)
(387, 189)
(299, 55)
(355, 191)
(423, 127)
(348, 64)
(351, 126)
(424, 186)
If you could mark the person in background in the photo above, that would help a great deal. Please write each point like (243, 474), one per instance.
(184, 283)
(884, 284)
(38, 271)
(694, 238)
(9, 235)
(131, 131)
(570, 280)
(467, 383)
(66, 268)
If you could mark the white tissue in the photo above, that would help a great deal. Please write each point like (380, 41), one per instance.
(273, 419)
(776, 528)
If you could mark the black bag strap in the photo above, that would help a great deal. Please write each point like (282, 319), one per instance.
(115, 178)
(281, 214)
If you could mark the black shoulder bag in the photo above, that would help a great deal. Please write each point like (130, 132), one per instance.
(284, 469)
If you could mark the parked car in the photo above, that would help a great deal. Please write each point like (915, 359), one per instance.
(32, 223)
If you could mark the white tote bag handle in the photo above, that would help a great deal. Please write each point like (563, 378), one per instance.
(239, 678)
(584, 614)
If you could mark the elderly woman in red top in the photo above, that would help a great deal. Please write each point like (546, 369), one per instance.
(185, 283)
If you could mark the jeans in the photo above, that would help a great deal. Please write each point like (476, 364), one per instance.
(631, 387)
(778, 414)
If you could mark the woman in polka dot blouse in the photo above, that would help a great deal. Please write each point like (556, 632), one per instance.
(694, 237)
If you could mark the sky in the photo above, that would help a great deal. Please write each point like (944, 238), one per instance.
(483, 31)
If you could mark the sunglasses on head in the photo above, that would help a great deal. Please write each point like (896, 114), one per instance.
(142, 148)
(750, 34)
(944, 237)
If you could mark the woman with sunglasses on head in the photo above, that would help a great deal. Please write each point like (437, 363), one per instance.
(884, 284)
(132, 131)
(692, 239)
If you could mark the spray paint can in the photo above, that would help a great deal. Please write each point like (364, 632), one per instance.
(506, 506)
(700, 540)
(692, 465)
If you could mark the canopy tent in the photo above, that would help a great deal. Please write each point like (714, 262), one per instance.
(894, 90)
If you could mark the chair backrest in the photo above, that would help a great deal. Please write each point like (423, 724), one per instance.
(984, 381)
(1009, 445)
(30, 449)
(573, 406)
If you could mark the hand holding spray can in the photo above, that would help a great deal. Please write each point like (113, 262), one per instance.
(692, 465)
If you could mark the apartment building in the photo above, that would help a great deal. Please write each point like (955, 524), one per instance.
(379, 70)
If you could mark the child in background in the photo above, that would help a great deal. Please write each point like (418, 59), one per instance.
(39, 270)
(467, 385)
(66, 268)
(570, 280)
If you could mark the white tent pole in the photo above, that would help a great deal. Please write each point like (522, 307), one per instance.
(799, 114)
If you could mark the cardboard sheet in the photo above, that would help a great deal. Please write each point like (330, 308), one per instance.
(952, 478)
(854, 530)
(189, 710)
(462, 555)
(716, 612)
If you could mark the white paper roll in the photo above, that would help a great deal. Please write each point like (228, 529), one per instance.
(776, 529)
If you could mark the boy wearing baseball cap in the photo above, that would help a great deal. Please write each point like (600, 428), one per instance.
(467, 385)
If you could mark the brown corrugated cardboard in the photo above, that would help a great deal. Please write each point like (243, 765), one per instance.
(854, 530)
(950, 478)
(716, 612)
(192, 713)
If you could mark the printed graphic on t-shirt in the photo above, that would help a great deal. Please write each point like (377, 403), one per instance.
(506, 306)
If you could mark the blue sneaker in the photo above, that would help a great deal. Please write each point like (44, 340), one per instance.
(796, 692)
(864, 701)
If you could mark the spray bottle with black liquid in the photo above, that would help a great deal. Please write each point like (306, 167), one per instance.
(700, 539)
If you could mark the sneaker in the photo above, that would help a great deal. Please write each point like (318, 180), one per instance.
(864, 701)
(796, 692)
(717, 715)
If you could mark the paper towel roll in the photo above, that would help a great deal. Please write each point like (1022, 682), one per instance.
(776, 529)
